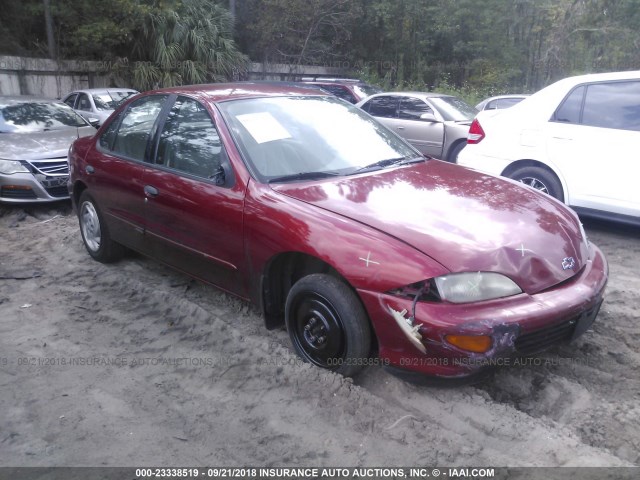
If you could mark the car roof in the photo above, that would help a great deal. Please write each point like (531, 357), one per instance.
(599, 77)
(219, 92)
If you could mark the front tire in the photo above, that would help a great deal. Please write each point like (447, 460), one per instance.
(95, 233)
(327, 324)
(539, 179)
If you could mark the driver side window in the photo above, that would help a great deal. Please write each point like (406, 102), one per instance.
(413, 108)
(189, 142)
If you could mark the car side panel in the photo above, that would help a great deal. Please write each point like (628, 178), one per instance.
(117, 186)
(580, 150)
(196, 226)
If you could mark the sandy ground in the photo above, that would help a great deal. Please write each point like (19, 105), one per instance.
(133, 364)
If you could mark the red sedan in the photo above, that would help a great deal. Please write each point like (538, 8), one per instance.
(335, 226)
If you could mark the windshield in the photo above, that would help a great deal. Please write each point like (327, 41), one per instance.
(38, 116)
(286, 136)
(364, 90)
(110, 100)
(454, 109)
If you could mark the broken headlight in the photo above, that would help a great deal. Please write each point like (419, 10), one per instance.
(474, 287)
(460, 288)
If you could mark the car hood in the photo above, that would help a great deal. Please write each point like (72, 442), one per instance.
(40, 145)
(465, 220)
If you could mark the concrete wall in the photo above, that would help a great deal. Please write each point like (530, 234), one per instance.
(48, 78)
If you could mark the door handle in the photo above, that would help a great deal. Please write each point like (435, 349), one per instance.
(400, 128)
(150, 191)
(89, 169)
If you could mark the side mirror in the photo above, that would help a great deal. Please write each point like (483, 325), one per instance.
(219, 176)
(428, 117)
(95, 122)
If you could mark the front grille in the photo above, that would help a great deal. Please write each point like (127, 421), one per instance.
(543, 338)
(18, 193)
(59, 191)
(51, 166)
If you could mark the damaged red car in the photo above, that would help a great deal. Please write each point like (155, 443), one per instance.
(336, 228)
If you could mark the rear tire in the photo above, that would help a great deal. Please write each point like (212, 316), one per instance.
(539, 179)
(455, 151)
(327, 324)
(95, 233)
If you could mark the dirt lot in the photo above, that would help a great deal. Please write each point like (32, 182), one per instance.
(133, 364)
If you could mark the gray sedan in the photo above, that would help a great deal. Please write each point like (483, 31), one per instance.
(35, 135)
(436, 124)
(98, 103)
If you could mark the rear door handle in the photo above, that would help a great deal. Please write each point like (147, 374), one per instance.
(400, 128)
(150, 191)
(89, 169)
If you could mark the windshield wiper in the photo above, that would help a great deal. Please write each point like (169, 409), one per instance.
(388, 162)
(303, 176)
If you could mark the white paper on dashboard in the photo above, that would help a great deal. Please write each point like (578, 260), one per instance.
(263, 127)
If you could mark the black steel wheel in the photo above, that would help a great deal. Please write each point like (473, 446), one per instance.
(327, 324)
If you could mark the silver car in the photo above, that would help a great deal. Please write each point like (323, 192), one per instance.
(97, 103)
(35, 135)
(436, 124)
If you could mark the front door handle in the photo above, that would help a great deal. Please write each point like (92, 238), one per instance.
(400, 128)
(150, 191)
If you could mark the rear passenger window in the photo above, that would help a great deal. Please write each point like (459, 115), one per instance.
(385, 106)
(340, 92)
(613, 105)
(569, 110)
(133, 134)
(189, 141)
(71, 99)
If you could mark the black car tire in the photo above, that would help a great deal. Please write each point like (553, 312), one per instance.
(95, 233)
(453, 156)
(540, 179)
(327, 324)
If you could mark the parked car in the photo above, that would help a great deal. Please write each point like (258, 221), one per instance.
(335, 225)
(97, 103)
(351, 90)
(499, 102)
(575, 140)
(35, 135)
(436, 124)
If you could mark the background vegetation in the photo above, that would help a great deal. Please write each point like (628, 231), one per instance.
(477, 48)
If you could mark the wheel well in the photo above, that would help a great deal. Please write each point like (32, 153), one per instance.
(453, 147)
(78, 188)
(281, 273)
(533, 163)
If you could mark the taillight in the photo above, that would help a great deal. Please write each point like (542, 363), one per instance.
(476, 133)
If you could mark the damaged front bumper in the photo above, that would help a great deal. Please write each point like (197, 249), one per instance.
(520, 325)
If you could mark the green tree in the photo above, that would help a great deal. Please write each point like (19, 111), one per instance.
(186, 42)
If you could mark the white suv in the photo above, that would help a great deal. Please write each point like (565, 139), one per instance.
(577, 140)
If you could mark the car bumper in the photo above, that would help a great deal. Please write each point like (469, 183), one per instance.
(518, 326)
(471, 158)
(26, 188)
